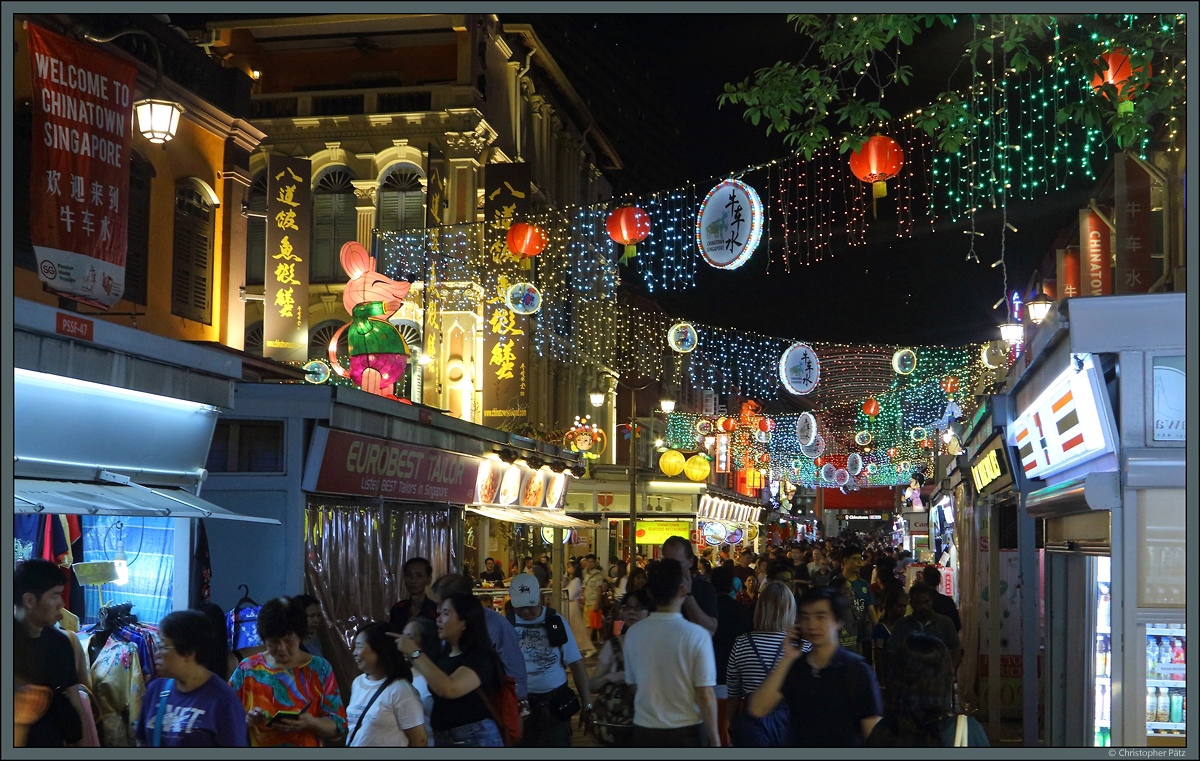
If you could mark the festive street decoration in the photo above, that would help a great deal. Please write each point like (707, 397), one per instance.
(806, 429)
(682, 337)
(828, 472)
(696, 468)
(870, 408)
(862, 438)
(585, 437)
(949, 384)
(766, 425)
(728, 424)
(841, 477)
(525, 240)
(799, 369)
(671, 462)
(628, 226)
(814, 449)
(918, 433)
(1117, 72)
(854, 464)
(523, 298)
(729, 224)
(904, 361)
(877, 161)
(378, 352)
(704, 427)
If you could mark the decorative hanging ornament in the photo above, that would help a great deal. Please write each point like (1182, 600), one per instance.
(762, 437)
(854, 463)
(704, 427)
(696, 468)
(815, 449)
(877, 161)
(841, 477)
(1118, 71)
(523, 298)
(806, 429)
(949, 384)
(526, 241)
(872, 468)
(671, 462)
(766, 425)
(918, 433)
(818, 462)
(729, 224)
(828, 472)
(870, 408)
(682, 337)
(628, 226)
(862, 438)
(799, 369)
(904, 361)
(727, 424)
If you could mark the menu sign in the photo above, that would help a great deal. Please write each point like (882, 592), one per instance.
(347, 463)
(1063, 427)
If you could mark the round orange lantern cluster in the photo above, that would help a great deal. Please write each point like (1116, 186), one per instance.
(1118, 71)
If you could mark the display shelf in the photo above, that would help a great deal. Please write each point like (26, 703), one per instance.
(1159, 632)
(1168, 683)
(1166, 725)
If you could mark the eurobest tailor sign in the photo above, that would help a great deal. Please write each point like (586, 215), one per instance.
(79, 167)
(348, 463)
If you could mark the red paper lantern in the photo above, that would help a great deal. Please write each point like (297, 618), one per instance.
(766, 425)
(891, 453)
(876, 161)
(818, 461)
(727, 424)
(870, 408)
(950, 384)
(628, 225)
(525, 240)
(1117, 74)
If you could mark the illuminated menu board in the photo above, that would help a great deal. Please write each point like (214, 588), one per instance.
(1065, 425)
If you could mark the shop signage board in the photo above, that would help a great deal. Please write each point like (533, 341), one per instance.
(79, 167)
(507, 198)
(73, 327)
(989, 467)
(1135, 237)
(1170, 399)
(729, 224)
(348, 463)
(1096, 254)
(657, 532)
(289, 229)
(1064, 426)
(1068, 273)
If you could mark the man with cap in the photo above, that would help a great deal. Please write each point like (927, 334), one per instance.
(548, 649)
(594, 585)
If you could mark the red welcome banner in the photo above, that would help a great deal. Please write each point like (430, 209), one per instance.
(79, 177)
(1096, 253)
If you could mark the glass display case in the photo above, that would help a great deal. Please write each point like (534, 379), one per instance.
(1166, 690)
(1102, 653)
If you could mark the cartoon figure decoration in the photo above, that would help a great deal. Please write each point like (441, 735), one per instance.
(913, 493)
(585, 437)
(378, 353)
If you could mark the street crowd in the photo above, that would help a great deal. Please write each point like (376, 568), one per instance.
(812, 645)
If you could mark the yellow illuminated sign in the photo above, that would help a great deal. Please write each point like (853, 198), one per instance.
(986, 470)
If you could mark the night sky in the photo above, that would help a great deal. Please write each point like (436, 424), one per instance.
(669, 69)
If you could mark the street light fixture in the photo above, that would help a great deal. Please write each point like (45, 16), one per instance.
(157, 118)
(1012, 332)
(667, 405)
(596, 397)
(1039, 308)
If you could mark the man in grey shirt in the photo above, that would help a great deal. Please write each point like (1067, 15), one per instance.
(503, 635)
(923, 619)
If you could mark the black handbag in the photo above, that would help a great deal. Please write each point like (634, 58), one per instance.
(563, 703)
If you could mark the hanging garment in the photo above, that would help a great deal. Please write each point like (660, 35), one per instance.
(119, 686)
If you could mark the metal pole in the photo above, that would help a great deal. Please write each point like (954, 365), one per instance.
(633, 474)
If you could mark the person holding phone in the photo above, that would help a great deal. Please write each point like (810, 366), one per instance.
(291, 697)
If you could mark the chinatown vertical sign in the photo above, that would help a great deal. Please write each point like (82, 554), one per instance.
(506, 344)
(289, 227)
(79, 167)
(1135, 238)
(1095, 253)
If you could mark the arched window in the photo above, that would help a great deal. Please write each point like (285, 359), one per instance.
(137, 254)
(256, 232)
(254, 339)
(192, 253)
(319, 337)
(334, 224)
(401, 201)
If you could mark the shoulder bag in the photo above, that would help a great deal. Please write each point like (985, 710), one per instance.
(361, 716)
(160, 713)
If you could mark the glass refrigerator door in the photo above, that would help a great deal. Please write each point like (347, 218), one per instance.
(1166, 693)
(1102, 654)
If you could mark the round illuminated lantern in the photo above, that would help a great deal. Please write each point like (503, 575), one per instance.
(766, 425)
(818, 462)
(727, 424)
(815, 449)
(704, 427)
(764, 458)
(828, 472)
(628, 226)
(799, 369)
(1118, 71)
(854, 463)
(891, 453)
(949, 384)
(872, 468)
(729, 224)
(877, 161)
(671, 462)
(696, 468)
(762, 437)
(918, 433)
(870, 408)
(682, 337)
(525, 240)
(862, 438)
(904, 361)
(806, 429)
(523, 298)
(841, 477)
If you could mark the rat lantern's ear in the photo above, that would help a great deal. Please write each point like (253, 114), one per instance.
(355, 260)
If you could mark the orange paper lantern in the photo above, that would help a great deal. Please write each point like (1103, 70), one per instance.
(870, 408)
(877, 161)
(525, 240)
(727, 424)
(950, 384)
(628, 225)
(1117, 74)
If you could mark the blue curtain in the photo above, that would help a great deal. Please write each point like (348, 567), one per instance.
(149, 545)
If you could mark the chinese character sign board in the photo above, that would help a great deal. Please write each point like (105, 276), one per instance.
(1095, 253)
(729, 224)
(1135, 238)
(506, 199)
(1068, 273)
(289, 225)
(506, 354)
(79, 158)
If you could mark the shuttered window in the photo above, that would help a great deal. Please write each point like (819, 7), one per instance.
(256, 232)
(137, 255)
(191, 265)
(334, 224)
(401, 202)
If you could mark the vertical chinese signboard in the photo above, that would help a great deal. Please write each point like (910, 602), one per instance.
(1096, 253)
(1135, 238)
(1068, 273)
(289, 226)
(506, 343)
(79, 159)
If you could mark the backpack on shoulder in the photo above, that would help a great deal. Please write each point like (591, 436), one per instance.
(556, 629)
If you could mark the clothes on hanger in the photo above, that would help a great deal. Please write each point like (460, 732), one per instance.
(241, 622)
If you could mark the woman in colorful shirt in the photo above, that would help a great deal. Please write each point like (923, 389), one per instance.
(284, 678)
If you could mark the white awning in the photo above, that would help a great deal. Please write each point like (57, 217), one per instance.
(531, 517)
(131, 499)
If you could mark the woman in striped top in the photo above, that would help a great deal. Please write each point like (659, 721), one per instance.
(754, 654)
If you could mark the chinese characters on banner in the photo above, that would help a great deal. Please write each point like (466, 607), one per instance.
(289, 225)
(1068, 273)
(437, 201)
(1135, 240)
(506, 344)
(79, 183)
(1095, 253)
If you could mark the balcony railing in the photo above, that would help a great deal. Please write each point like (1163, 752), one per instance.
(343, 102)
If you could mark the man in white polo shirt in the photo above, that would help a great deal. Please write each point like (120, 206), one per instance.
(671, 662)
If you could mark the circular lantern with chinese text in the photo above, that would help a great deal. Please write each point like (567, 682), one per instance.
(696, 468)
(525, 240)
(628, 226)
(1118, 71)
(870, 408)
(671, 462)
(877, 161)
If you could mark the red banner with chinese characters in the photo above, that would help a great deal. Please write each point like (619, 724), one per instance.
(79, 167)
(1096, 253)
(1068, 286)
(1135, 237)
